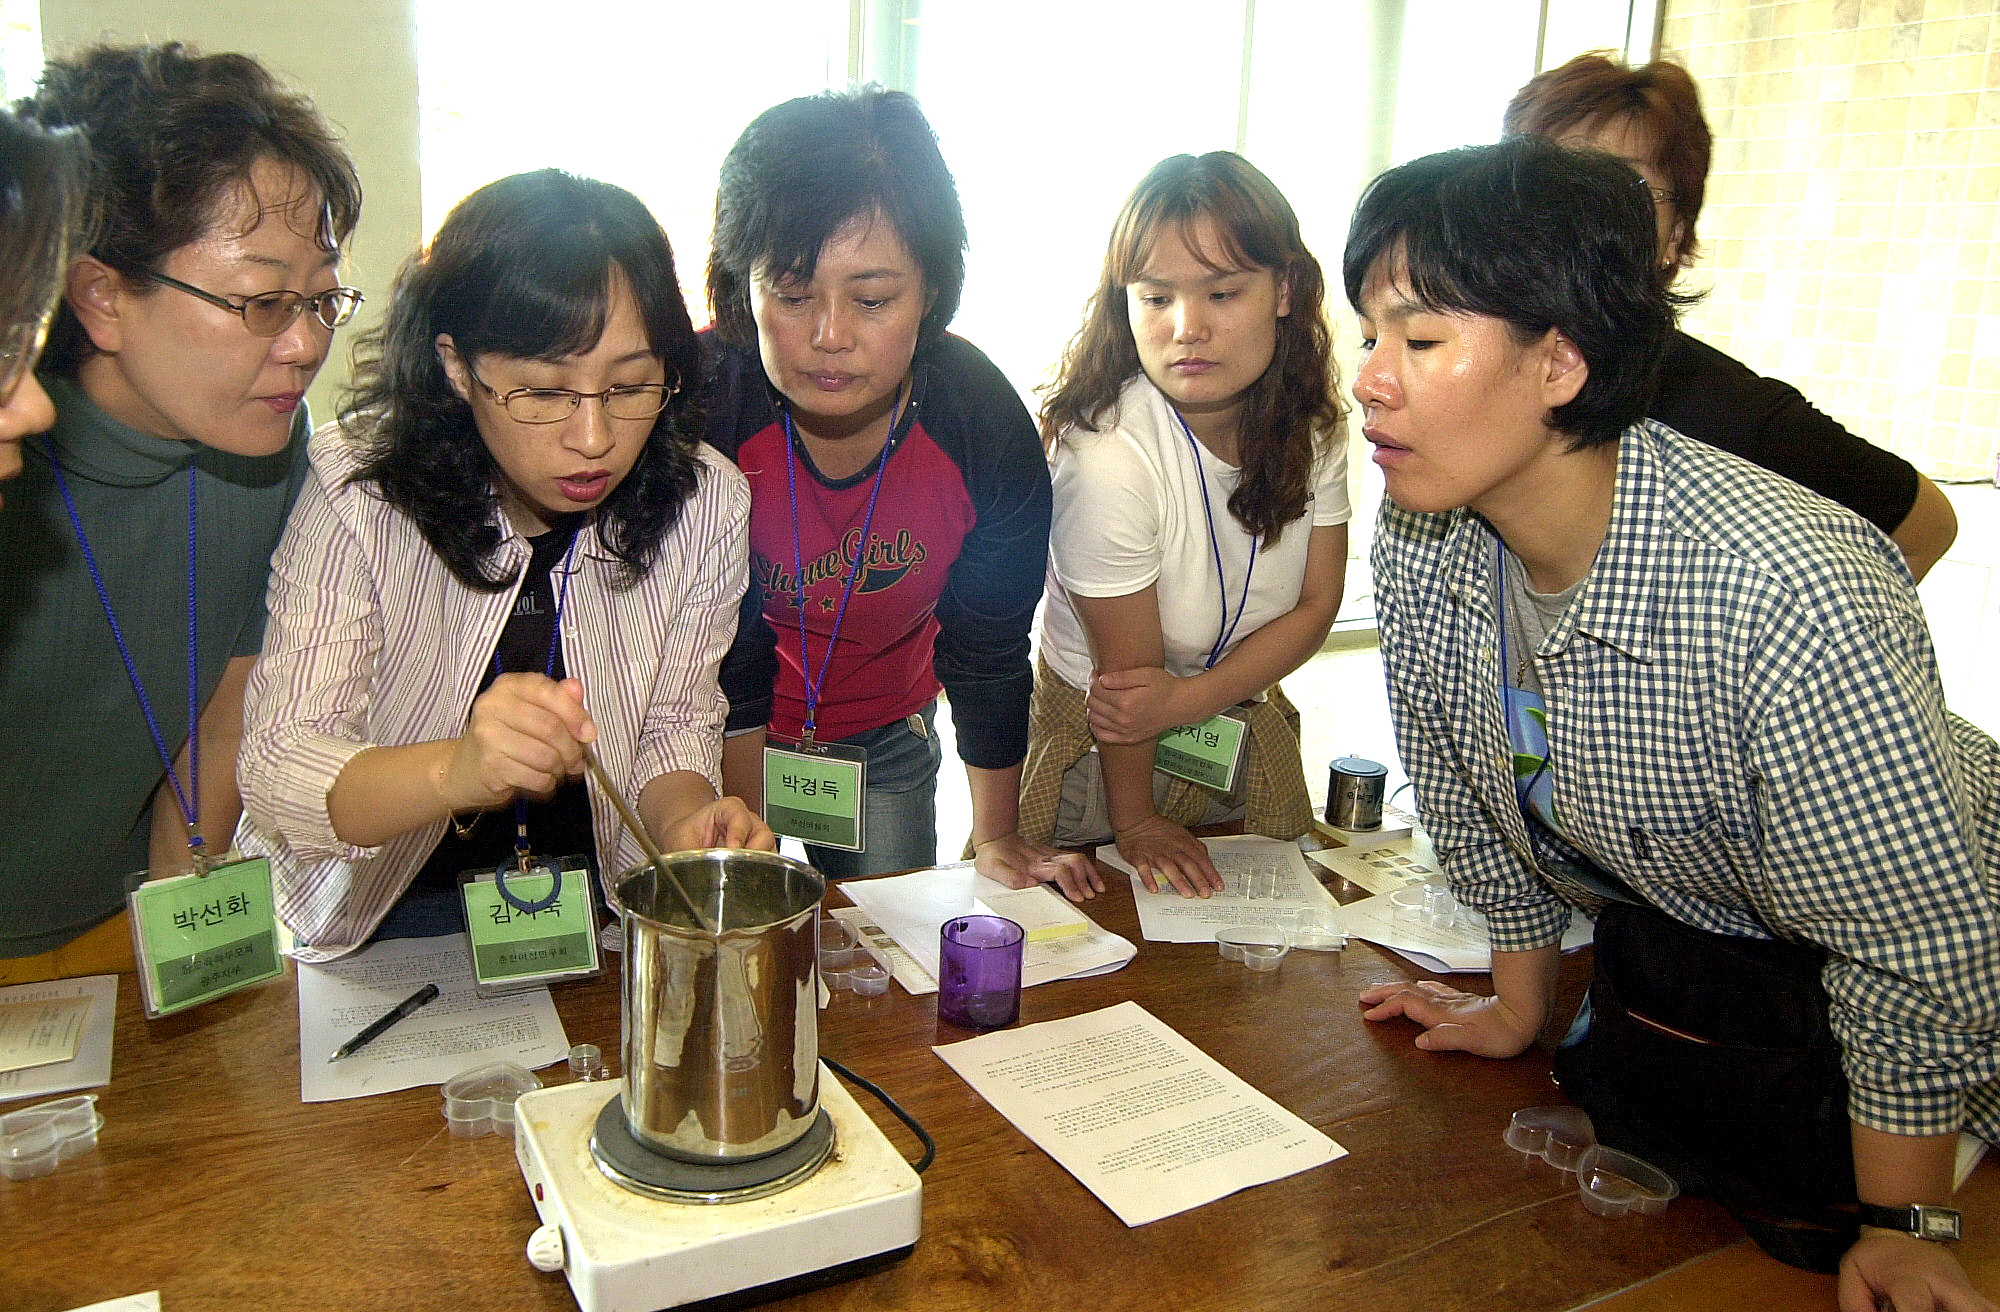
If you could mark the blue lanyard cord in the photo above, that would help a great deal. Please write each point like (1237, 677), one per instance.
(814, 682)
(188, 798)
(1227, 629)
(549, 671)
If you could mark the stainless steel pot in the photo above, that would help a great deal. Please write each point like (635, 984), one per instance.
(721, 1037)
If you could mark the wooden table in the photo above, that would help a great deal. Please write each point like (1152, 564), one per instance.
(213, 1184)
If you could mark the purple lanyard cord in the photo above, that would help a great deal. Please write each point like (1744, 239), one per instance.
(1227, 629)
(814, 682)
(188, 798)
(521, 848)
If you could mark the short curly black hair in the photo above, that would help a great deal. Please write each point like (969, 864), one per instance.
(172, 132)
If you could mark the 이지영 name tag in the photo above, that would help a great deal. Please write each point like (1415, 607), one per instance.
(198, 937)
(1209, 753)
(545, 933)
(812, 792)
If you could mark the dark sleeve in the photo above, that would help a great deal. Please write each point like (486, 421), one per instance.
(1713, 398)
(739, 405)
(988, 605)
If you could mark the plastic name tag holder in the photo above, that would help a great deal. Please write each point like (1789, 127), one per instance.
(1209, 753)
(198, 937)
(813, 792)
(531, 928)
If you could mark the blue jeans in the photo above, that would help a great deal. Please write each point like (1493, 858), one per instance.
(899, 809)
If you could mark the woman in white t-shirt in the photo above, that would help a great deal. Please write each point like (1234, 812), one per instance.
(1198, 452)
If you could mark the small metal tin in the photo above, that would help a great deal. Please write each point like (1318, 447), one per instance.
(1354, 793)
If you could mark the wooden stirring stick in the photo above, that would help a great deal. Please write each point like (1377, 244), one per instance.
(646, 843)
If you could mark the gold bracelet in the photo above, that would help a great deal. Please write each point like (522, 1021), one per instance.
(459, 827)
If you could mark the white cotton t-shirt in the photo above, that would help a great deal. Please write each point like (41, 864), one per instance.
(1128, 514)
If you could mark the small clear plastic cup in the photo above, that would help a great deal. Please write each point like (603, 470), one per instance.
(35, 1140)
(1612, 1183)
(481, 1100)
(838, 949)
(1558, 1135)
(1315, 929)
(1259, 948)
(586, 1062)
(868, 980)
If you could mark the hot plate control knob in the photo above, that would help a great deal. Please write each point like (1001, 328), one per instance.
(545, 1249)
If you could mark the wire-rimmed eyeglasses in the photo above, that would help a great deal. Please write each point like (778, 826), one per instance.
(552, 405)
(269, 313)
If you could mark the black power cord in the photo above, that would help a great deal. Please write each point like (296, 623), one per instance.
(930, 1144)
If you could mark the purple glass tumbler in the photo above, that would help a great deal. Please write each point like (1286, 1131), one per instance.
(979, 972)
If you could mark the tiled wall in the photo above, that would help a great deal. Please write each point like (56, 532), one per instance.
(1849, 229)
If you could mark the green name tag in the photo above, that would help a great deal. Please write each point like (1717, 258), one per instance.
(1209, 753)
(514, 948)
(812, 792)
(198, 937)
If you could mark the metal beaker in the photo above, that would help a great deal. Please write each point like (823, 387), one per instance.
(720, 1031)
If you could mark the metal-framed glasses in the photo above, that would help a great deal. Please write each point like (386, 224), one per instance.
(20, 347)
(552, 405)
(1660, 195)
(269, 313)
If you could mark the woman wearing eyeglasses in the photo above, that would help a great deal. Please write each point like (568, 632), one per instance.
(41, 189)
(513, 546)
(138, 539)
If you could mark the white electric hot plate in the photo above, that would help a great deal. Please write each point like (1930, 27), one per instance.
(623, 1251)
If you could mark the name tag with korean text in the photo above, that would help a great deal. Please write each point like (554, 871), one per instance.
(198, 937)
(812, 792)
(1209, 753)
(544, 933)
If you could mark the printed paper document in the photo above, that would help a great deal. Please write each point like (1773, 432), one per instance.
(1261, 878)
(89, 1064)
(1456, 945)
(460, 1030)
(1145, 1120)
(1061, 943)
(36, 1033)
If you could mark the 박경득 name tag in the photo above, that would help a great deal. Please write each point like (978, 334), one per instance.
(812, 792)
(541, 928)
(197, 937)
(1209, 753)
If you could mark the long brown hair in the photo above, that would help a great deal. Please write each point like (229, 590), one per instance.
(1293, 410)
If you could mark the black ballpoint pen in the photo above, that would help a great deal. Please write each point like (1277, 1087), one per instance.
(403, 1009)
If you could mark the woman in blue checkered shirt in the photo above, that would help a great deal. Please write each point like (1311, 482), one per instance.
(1629, 669)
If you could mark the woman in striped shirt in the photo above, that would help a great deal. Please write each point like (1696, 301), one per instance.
(512, 545)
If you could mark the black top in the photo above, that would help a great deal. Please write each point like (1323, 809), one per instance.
(557, 827)
(1716, 399)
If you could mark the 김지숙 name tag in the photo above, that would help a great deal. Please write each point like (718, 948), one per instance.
(198, 937)
(546, 932)
(1209, 753)
(812, 792)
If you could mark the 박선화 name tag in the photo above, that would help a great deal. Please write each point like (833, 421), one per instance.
(198, 937)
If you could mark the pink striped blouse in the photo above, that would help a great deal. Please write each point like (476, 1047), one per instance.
(372, 642)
